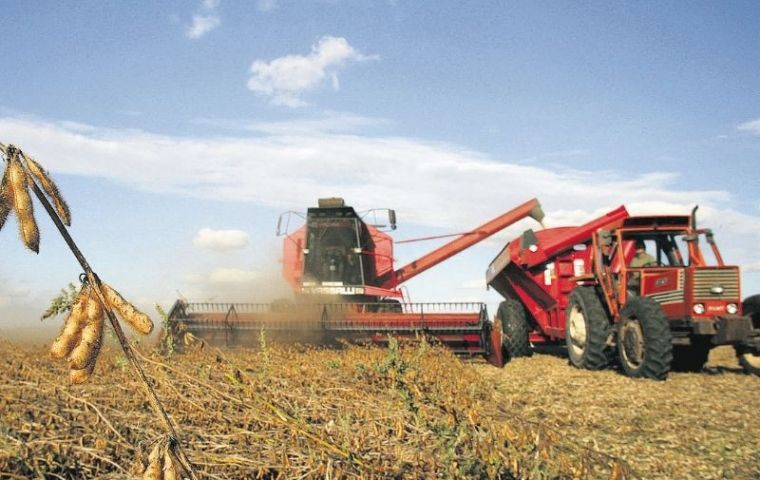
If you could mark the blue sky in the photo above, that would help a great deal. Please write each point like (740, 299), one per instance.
(162, 119)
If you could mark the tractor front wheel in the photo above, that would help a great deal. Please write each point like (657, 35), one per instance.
(750, 361)
(587, 328)
(644, 341)
(514, 328)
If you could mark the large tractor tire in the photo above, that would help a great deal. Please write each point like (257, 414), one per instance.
(514, 328)
(587, 330)
(750, 361)
(644, 341)
(691, 358)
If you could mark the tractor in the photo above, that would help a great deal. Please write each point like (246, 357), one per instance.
(582, 286)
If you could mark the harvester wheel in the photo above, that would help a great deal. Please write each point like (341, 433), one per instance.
(515, 329)
(587, 329)
(691, 358)
(750, 361)
(644, 341)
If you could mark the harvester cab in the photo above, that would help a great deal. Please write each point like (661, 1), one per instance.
(665, 305)
(337, 253)
(345, 285)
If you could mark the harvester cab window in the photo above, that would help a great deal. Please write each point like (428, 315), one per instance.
(333, 245)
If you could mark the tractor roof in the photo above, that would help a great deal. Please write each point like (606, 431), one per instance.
(665, 222)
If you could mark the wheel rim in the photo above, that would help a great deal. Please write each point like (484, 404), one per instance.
(632, 343)
(752, 360)
(577, 330)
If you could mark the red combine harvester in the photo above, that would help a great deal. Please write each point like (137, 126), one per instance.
(577, 285)
(346, 288)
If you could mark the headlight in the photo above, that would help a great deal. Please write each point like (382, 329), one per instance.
(732, 308)
(699, 309)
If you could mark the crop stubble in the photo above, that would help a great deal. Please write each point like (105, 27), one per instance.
(402, 413)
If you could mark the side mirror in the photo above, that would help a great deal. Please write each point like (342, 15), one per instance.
(392, 218)
(279, 225)
(283, 222)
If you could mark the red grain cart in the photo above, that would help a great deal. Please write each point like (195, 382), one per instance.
(577, 285)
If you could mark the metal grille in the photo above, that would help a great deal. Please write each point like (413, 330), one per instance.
(673, 296)
(706, 279)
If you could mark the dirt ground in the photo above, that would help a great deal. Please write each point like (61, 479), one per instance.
(694, 425)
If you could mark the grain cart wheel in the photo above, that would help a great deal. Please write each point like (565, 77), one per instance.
(691, 358)
(644, 341)
(514, 327)
(587, 328)
(750, 362)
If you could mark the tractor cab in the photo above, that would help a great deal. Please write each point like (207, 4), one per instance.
(660, 257)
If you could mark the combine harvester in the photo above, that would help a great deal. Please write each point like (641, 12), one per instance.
(575, 285)
(346, 288)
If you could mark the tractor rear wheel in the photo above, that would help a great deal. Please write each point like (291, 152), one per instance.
(644, 341)
(691, 358)
(514, 328)
(587, 329)
(750, 361)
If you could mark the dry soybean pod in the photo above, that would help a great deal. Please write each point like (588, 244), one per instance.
(50, 188)
(72, 328)
(86, 353)
(80, 376)
(18, 194)
(170, 468)
(5, 206)
(155, 464)
(141, 322)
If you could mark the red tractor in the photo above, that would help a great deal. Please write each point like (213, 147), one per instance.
(582, 285)
(346, 287)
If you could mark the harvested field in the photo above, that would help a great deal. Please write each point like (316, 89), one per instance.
(414, 412)
(694, 425)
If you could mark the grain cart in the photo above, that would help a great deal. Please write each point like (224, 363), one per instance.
(341, 270)
(574, 284)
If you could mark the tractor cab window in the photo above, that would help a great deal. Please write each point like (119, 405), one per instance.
(659, 250)
(701, 247)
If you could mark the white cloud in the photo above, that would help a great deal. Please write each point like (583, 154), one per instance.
(754, 267)
(432, 184)
(233, 275)
(220, 240)
(204, 20)
(328, 122)
(284, 79)
(267, 5)
(751, 126)
(475, 284)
